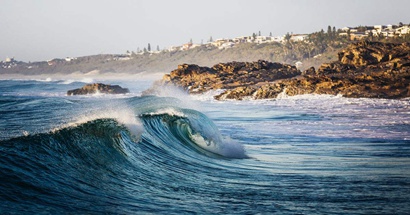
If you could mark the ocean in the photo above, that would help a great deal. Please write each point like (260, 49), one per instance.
(190, 154)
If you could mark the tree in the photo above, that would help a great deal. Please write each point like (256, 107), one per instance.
(149, 47)
(254, 36)
(210, 39)
(190, 41)
(371, 36)
(287, 37)
(270, 34)
(329, 31)
(334, 32)
(259, 33)
(157, 47)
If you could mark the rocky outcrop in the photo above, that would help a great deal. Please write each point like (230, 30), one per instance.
(365, 69)
(367, 53)
(98, 88)
(231, 75)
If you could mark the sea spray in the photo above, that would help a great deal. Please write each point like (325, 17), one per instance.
(123, 115)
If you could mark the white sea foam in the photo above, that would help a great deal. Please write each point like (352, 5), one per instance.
(83, 80)
(169, 111)
(124, 116)
(225, 147)
(323, 116)
(207, 96)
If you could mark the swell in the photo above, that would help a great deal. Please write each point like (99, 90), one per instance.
(103, 162)
(49, 169)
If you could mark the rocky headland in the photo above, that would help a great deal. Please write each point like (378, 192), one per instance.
(98, 88)
(364, 69)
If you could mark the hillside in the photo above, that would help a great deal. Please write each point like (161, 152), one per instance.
(313, 50)
(166, 61)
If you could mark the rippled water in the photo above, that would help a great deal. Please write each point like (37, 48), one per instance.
(190, 154)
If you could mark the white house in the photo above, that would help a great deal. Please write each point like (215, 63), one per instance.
(262, 39)
(402, 30)
(298, 37)
(242, 39)
(220, 42)
(174, 48)
(227, 45)
(346, 29)
(277, 39)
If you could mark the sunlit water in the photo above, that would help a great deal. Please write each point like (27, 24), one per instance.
(190, 154)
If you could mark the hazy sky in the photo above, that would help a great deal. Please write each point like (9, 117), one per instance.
(34, 30)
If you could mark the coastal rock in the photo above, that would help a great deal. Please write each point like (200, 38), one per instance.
(365, 69)
(367, 53)
(196, 79)
(98, 87)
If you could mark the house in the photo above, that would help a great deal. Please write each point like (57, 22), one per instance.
(277, 39)
(8, 60)
(68, 59)
(242, 39)
(379, 28)
(346, 29)
(402, 30)
(262, 39)
(387, 33)
(55, 61)
(174, 48)
(186, 46)
(219, 42)
(227, 45)
(357, 36)
(298, 37)
(195, 45)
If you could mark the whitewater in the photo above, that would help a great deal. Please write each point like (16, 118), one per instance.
(189, 154)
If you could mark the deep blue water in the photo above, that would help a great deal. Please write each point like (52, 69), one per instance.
(180, 154)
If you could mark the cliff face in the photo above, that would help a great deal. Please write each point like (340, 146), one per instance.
(365, 69)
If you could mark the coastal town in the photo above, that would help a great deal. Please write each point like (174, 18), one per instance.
(351, 33)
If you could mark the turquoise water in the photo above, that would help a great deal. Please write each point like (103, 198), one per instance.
(183, 154)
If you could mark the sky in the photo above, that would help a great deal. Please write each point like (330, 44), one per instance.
(38, 30)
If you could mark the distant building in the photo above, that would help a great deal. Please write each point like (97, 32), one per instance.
(346, 29)
(357, 36)
(243, 39)
(402, 30)
(174, 48)
(68, 59)
(186, 46)
(298, 37)
(8, 60)
(227, 45)
(220, 42)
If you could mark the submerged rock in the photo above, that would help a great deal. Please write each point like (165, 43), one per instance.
(98, 88)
